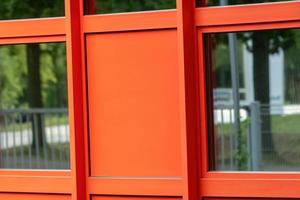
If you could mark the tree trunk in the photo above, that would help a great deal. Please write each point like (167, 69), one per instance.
(262, 86)
(34, 92)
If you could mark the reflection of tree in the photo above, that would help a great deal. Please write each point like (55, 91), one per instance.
(262, 44)
(34, 90)
(265, 43)
(12, 9)
(112, 6)
(261, 82)
(292, 71)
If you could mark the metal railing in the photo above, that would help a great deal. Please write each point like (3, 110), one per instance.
(270, 138)
(34, 139)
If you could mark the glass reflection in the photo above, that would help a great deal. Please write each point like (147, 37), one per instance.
(253, 79)
(118, 6)
(21, 9)
(34, 130)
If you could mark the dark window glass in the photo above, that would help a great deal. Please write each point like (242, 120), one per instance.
(117, 6)
(34, 130)
(232, 2)
(253, 84)
(20, 9)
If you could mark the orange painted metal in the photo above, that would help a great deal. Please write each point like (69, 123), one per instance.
(135, 186)
(137, 105)
(32, 27)
(134, 108)
(36, 184)
(19, 184)
(18, 196)
(133, 198)
(77, 96)
(189, 97)
(247, 14)
(91, 6)
(35, 173)
(130, 21)
(254, 188)
(224, 19)
(37, 39)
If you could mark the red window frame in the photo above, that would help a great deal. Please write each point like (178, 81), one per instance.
(18, 184)
(191, 24)
(279, 15)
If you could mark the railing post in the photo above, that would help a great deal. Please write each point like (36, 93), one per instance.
(255, 136)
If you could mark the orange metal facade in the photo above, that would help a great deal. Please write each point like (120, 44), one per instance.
(151, 145)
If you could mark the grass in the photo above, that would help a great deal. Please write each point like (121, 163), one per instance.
(56, 148)
(57, 157)
(286, 124)
(289, 124)
(286, 139)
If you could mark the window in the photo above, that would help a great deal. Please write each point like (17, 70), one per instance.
(254, 101)
(20, 9)
(33, 107)
(233, 2)
(117, 6)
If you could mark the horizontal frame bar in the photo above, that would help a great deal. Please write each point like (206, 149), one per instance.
(253, 175)
(26, 40)
(288, 188)
(34, 173)
(32, 27)
(130, 21)
(29, 196)
(250, 27)
(248, 14)
(134, 186)
(36, 184)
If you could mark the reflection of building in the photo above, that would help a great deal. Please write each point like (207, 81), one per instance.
(276, 79)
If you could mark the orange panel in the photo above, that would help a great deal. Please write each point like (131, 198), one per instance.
(17, 196)
(133, 91)
(133, 198)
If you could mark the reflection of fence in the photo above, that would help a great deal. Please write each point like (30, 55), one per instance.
(227, 140)
(26, 146)
(270, 137)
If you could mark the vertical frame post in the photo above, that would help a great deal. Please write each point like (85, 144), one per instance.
(77, 96)
(189, 95)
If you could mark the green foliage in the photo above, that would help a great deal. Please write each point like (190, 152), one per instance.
(13, 76)
(114, 6)
(242, 153)
(53, 75)
(13, 63)
(222, 61)
(15, 9)
(12, 71)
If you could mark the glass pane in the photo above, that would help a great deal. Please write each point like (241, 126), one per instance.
(254, 100)
(34, 130)
(117, 6)
(232, 2)
(20, 9)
